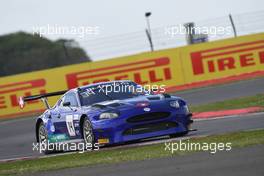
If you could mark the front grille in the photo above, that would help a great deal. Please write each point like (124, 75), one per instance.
(147, 128)
(148, 117)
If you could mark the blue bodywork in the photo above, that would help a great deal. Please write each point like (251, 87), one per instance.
(139, 117)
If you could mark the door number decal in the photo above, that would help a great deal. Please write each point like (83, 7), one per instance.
(70, 126)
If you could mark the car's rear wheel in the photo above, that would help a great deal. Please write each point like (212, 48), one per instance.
(43, 138)
(88, 135)
(46, 148)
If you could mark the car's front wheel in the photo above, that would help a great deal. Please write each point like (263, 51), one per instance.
(179, 134)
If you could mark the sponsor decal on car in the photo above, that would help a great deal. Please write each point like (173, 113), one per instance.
(70, 126)
(57, 138)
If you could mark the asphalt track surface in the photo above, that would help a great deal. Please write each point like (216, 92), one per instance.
(223, 92)
(17, 135)
(238, 162)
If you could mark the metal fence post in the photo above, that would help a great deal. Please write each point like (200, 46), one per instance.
(233, 25)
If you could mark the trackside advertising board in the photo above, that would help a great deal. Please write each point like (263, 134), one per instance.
(171, 67)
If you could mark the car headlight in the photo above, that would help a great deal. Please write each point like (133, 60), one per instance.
(174, 104)
(108, 115)
(186, 108)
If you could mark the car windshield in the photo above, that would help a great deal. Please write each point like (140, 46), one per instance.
(110, 91)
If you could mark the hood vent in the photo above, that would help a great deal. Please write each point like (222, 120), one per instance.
(166, 95)
(153, 98)
(114, 104)
(101, 106)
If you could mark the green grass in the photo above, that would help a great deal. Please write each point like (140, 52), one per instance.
(239, 139)
(257, 100)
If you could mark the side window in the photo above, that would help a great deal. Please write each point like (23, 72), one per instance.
(70, 97)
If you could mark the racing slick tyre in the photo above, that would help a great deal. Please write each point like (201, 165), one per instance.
(87, 132)
(187, 127)
(178, 134)
(43, 140)
(181, 133)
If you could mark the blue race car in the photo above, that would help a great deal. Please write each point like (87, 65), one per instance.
(99, 114)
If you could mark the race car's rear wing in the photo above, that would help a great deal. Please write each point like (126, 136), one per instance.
(43, 97)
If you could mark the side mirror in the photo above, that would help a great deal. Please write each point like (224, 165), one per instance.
(66, 103)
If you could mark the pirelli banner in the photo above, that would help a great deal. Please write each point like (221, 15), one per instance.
(175, 68)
